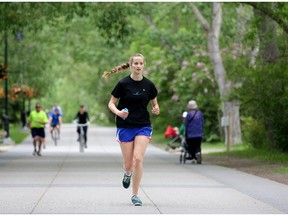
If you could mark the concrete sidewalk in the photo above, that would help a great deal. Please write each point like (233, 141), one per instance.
(66, 181)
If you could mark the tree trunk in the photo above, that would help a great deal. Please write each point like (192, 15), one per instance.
(254, 52)
(244, 14)
(267, 10)
(268, 38)
(269, 52)
(229, 108)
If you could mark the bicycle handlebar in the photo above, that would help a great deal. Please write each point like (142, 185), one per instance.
(82, 125)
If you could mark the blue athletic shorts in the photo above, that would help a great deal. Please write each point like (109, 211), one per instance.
(129, 134)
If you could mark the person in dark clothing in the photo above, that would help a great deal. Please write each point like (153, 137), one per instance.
(23, 119)
(194, 123)
(129, 101)
(82, 117)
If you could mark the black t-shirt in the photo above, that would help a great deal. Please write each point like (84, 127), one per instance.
(82, 118)
(135, 96)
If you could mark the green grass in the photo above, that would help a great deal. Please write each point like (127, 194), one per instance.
(159, 139)
(244, 151)
(241, 150)
(281, 170)
(16, 134)
(219, 145)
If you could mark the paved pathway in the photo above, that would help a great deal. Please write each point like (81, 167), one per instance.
(66, 181)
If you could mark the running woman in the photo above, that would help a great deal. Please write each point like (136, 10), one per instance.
(133, 94)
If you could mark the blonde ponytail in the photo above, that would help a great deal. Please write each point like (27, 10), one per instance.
(116, 69)
(123, 66)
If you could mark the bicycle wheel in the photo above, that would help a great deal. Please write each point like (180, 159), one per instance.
(81, 143)
(55, 136)
(181, 158)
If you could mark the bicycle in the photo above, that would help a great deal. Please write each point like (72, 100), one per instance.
(55, 135)
(81, 137)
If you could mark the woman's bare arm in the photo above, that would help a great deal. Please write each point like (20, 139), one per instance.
(155, 106)
(113, 108)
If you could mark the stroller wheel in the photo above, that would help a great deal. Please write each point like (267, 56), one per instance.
(184, 157)
(181, 158)
(199, 158)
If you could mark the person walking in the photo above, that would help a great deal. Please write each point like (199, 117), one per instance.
(37, 120)
(194, 123)
(133, 94)
(82, 117)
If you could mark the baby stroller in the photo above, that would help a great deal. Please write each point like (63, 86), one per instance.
(186, 155)
(174, 136)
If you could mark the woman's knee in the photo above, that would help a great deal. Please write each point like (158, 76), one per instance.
(138, 160)
(128, 165)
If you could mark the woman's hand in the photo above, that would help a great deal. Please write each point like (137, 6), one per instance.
(155, 110)
(122, 114)
(155, 107)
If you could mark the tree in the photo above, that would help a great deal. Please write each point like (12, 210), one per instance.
(271, 72)
(267, 35)
(28, 18)
(229, 108)
(278, 12)
(89, 38)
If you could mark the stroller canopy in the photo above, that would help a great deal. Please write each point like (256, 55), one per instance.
(170, 132)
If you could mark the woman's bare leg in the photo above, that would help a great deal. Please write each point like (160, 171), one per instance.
(140, 145)
(127, 149)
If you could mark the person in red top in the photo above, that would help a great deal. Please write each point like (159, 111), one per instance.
(129, 102)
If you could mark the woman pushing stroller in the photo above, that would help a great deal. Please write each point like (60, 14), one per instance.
(194, 123)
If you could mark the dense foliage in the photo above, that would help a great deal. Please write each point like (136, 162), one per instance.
(67, 46)
(265, 100)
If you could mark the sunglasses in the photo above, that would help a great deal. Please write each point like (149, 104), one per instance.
(38, 107)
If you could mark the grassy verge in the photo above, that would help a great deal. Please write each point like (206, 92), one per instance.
(244, 151)
(267, 156)
(241, 150)
(16, 134)
(281, 170)
(238, 151)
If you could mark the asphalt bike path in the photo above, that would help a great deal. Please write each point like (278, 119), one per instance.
(64, 180)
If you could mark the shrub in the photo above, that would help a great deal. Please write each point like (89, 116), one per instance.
(254, 132)
(264, 94)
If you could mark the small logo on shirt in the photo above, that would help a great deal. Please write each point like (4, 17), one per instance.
(138, 92)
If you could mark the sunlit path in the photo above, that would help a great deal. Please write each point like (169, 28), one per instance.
(64, 180)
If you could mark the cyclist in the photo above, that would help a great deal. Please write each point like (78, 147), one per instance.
(55, 120)
(37, 120)
(82, 117)
(56, 106)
